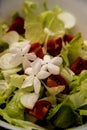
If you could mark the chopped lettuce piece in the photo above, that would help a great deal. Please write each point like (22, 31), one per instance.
(1, 75)
(54, 110)
(73, 52)
(83, 112)
(79, 90)
(20, 123)
(67, 74)
(29, 7)
(3, 29)
(17, 80)
(58, 115)
(34, 31)
(9, 72)
(4, 96)
(61, 119)
(70, 52)
(35, 23)
(64, 55)
(78, 81)
(14, 108)
(3, 46)
(78, 99)
(3, 85)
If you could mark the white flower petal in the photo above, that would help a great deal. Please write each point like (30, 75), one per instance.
(57, 60)
(7, 61)
(47, 58)
(70, 23)
(44, 67)
(31, 56)
(37, 85)
(25, 49)
(11, 37)
(36, 66)
(16, 60)
(29, 71)
(43, 74)
(53, 69)
(15, 50)
(29, 100)
(26, 63)
(28, 81)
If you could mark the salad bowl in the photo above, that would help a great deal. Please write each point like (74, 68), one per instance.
(78, 10)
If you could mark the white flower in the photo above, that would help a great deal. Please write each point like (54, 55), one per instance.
(28, 57)
(35, 74)
(18, 51)
(51, 65)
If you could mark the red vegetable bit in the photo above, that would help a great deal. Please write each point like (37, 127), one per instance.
(40, 110)
(79, 65)
(54, 46)
(67, 38)
(55, 80)
(17, 25)
(37, 49)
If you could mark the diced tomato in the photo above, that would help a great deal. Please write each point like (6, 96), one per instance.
(17, 25)
(40, 109)
(37, 49)
(79, 65)
(67, 38)
(55, 80)
(54, 46)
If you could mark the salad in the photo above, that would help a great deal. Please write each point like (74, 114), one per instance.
(43, 69)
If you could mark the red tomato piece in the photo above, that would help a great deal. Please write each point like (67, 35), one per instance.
(55, 80)
(37, 49)
(17, 25)
(79, 65)
(54, 46)
(40, 110)
(67, 38)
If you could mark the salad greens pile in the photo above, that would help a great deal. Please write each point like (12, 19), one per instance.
(43, 70)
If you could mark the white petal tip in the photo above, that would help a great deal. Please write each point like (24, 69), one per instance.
(29, 100)
(68, 19)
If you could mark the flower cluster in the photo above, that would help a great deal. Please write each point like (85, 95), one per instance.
(36, 65)
(40, 69)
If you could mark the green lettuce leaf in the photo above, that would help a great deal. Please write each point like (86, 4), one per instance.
(3, 29)
(67, 74)
(20, 123)
(74, 48)
(4, 96)
(58, 115)
(35, 22)
(17, 80)
(7, 73)
(79, 90)
(78, 82)
(70, 52)
(64, 55)
(14, 108)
